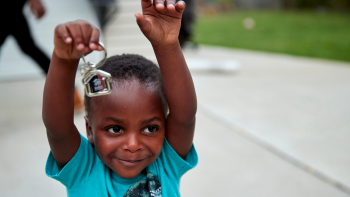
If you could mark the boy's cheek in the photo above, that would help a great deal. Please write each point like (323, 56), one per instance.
(104, 144)
(101, 146)
(156, 147)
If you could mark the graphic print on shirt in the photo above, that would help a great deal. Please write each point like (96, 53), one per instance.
(149, 187)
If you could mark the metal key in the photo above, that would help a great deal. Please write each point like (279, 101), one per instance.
(96, 82)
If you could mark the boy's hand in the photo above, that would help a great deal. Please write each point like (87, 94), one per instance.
(161, 21)
(72, 38)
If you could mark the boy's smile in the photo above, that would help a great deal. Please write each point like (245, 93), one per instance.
(127, 128)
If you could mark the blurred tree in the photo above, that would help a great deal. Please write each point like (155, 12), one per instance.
(289, 4)
(257, 4)
(307, 4)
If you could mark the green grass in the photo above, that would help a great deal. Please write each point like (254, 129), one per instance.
(311, 34)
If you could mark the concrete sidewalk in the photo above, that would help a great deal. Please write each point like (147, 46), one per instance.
(281, 124)
(253, 127)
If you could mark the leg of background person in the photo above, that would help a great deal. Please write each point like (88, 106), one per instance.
(101, 15)
(24, 39)
(105, 9)
(9, 17)
(187, 23)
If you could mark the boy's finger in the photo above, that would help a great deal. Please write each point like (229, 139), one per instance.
(86, 30)
(180, 6)
(146, 3)
(144, 25)
(159, 4)
(76, 33)
(94, 38)
(61, 31)
(170, 4)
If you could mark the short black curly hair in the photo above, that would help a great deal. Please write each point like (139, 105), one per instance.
(128, 67)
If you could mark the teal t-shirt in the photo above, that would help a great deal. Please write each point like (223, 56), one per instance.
(86, 175)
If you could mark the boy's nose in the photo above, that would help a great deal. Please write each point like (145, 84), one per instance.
(132, 143)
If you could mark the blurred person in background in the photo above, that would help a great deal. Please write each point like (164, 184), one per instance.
(105, 9)
(187, 22)
(14, 23)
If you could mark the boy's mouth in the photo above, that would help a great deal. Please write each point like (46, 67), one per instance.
(130, 163)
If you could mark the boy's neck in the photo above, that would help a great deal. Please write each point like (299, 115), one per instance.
(122, 180)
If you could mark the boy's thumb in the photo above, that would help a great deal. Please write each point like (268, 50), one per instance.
(144, 25)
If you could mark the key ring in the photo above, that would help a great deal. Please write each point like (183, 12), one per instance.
(96, 82)
(101, 62)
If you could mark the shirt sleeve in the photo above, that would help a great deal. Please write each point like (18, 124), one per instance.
(78, 170)
(173, 164)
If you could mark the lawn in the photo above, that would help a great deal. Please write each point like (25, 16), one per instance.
(312, 34)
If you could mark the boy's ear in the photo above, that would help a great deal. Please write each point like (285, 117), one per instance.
(89, 133)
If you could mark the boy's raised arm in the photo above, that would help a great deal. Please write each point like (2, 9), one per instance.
(58, 103)
(161, 23)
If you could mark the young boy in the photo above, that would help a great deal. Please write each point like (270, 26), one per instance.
(133, 146)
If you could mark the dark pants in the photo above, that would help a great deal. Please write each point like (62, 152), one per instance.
(187, 22)
(16, 25)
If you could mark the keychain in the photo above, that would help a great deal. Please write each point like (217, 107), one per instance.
(96, 82)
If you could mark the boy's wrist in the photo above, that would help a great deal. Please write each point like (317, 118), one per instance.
(166, 47)
(68, 59)
(66, 63)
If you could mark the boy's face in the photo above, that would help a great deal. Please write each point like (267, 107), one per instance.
(127, 128)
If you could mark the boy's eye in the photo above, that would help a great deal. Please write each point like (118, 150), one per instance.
(115, 129)
(150, 129)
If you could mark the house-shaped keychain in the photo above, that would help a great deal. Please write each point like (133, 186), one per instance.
(96, 82)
